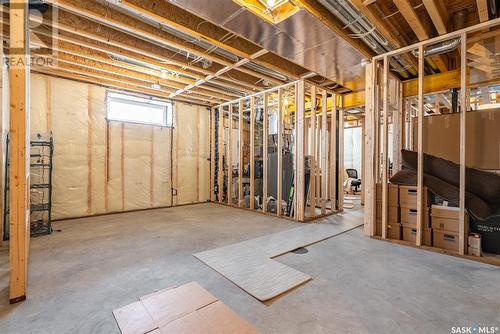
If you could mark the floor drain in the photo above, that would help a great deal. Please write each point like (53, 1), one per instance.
(300, 250)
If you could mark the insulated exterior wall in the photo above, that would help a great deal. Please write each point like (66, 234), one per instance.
(104, 167)
(69, 125)
(192, 149)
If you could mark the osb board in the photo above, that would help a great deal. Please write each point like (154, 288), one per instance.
(87, 181)
(186, 309)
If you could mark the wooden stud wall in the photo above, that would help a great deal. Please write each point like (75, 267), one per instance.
(324, 174)
(371, 139)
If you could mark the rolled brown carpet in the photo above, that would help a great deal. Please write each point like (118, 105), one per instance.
(442, 177)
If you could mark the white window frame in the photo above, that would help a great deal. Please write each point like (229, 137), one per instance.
(165, 106)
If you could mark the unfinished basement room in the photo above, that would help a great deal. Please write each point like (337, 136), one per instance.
(250, 166)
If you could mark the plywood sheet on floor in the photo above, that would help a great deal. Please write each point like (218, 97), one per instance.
(250, 265)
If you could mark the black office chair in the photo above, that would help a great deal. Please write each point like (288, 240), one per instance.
(355, 183)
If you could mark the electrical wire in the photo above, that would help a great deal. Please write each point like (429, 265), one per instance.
(414, 7)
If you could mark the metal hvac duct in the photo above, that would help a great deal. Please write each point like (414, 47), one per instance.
(440, 48)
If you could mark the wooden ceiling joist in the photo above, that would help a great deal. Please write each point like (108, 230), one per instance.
(95, 35)
(414, 21)
(95, 73)
(383, 30)
(170, 15)
(107, 83)
(482, 10)
(81, 54)
(438, 15)
(114, 70)
(134, 27)
(408, 12)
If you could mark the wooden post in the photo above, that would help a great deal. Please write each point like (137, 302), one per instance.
(280, 153)
(385, 146)
(299, 157)
(265, 130)
(397, 122)
(212, 155)
(240, 163)
(463, 228)
(363, 152)
(229, 157)
(341, 154)
(324, 152)
(19, 216)
(252, 153)
(333, 154)
(371, 122)
(221, 153)
(312, 187)
(420, 149)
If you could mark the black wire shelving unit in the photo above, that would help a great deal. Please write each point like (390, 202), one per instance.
(41, 165)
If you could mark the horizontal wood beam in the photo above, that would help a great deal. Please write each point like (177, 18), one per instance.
(433, 83)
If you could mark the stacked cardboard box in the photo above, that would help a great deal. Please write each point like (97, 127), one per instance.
(393, 226)
(445, 222)
(408, 208)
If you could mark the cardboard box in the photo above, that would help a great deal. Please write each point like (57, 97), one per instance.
(447, 212)
(410, 234)
(393, 230)
(409, 216)
(392, 198)
(393, 213)
(474, 244)
(408, 196)
(445, 240)
(490, 234)
(185, 309)
(445, 224)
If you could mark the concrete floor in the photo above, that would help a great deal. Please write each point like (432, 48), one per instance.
(78, 276)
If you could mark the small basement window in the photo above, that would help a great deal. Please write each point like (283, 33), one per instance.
(133, 109)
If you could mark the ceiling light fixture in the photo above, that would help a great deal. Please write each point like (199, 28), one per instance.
(155, 86)
(273, 11)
